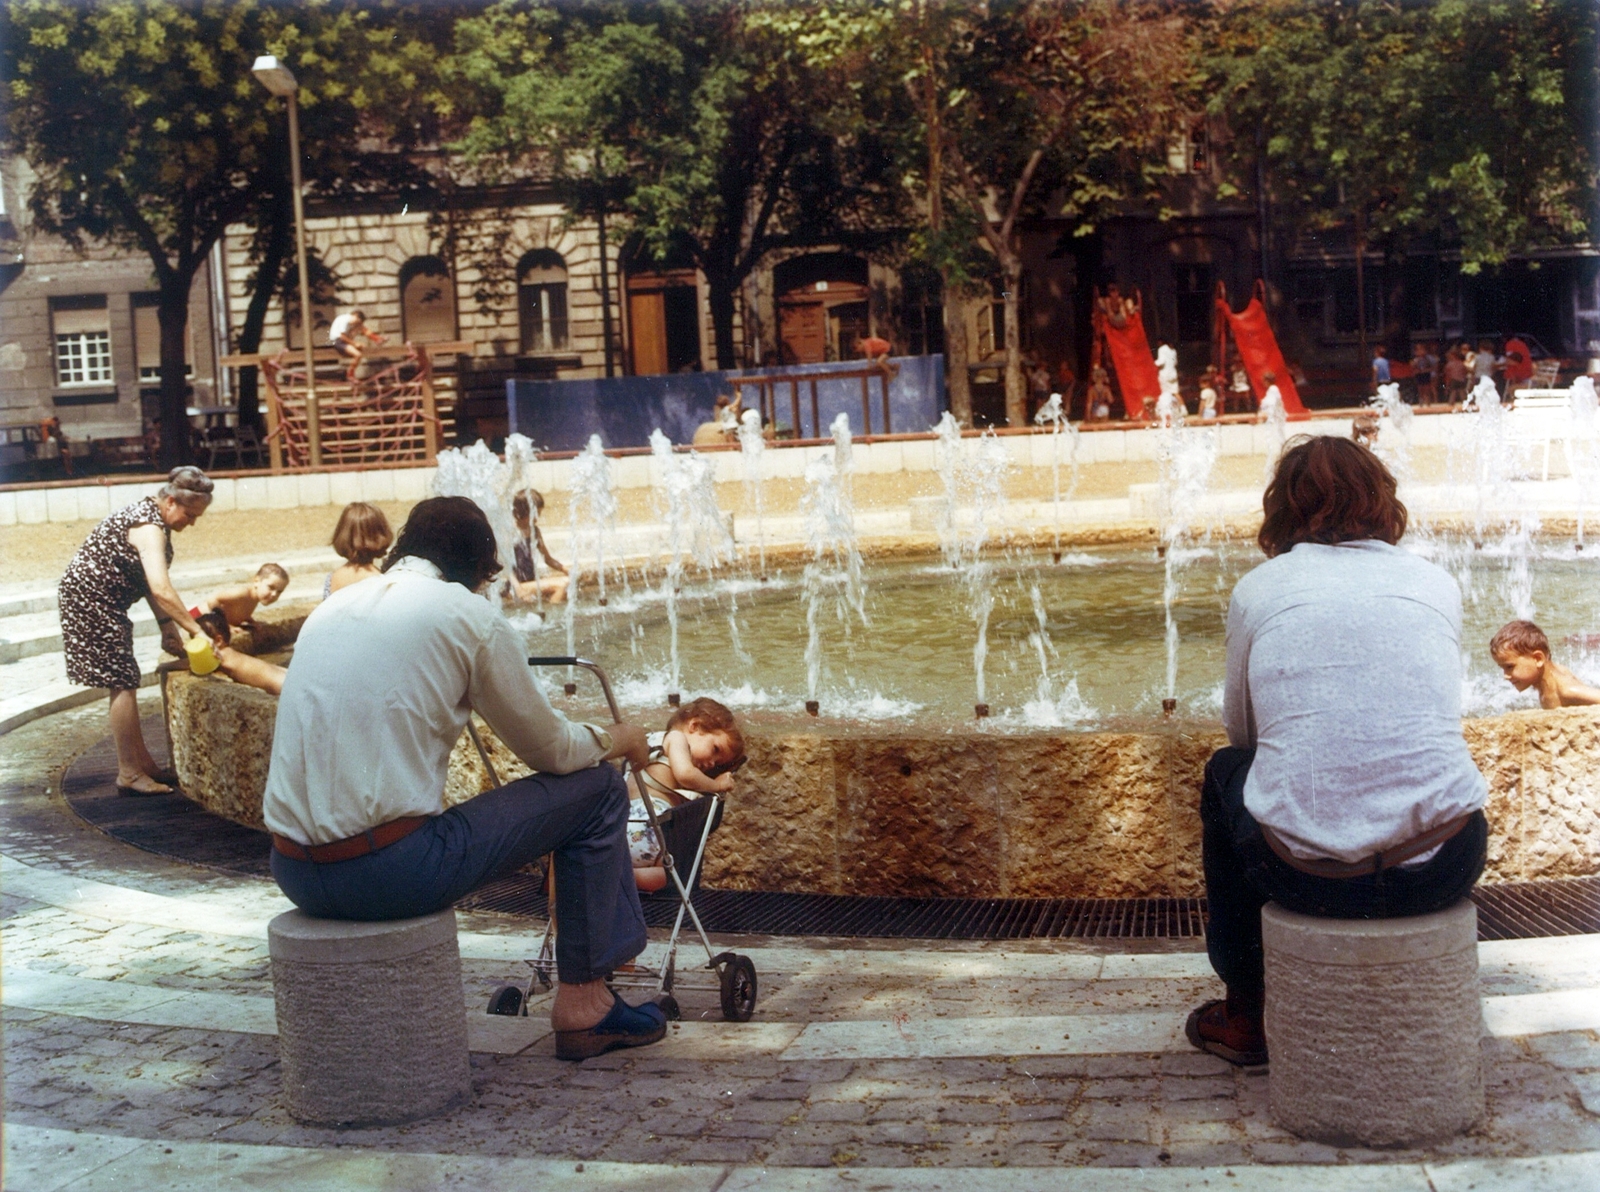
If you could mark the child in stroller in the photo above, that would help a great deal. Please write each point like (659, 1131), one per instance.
(698, 754)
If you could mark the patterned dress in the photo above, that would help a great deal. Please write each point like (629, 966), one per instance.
(102, 582)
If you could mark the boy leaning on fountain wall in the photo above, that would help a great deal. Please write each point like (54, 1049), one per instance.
(1522, 652)
(236, 605)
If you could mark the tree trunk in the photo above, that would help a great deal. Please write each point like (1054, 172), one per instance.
(1361, 287)
(1016, 383)
(172, 314)
(720, 291)
(957, 381)
(269, 276)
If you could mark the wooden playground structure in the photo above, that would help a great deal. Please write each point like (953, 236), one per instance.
(399, 413)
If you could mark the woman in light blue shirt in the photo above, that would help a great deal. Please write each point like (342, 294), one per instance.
(1346, 790)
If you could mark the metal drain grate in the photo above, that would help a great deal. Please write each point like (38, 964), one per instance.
(1532, 910)
(1523, 910)
(767, 913)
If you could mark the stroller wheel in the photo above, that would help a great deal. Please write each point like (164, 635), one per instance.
(506, 1001)
(669, 1006)
(738, 989)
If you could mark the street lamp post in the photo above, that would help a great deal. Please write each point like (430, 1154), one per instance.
(279, 80)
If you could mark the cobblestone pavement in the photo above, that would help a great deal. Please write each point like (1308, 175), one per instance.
(94, 1069)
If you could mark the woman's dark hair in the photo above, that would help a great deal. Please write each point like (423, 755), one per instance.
(453, 534)
(1329, 490)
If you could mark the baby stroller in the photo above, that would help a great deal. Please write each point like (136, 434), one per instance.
(684, 831)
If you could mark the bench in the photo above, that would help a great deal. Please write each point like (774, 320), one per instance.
(1373, 1026)
(371, 1022)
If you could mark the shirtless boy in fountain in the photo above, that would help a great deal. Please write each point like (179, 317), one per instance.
(1522, 651)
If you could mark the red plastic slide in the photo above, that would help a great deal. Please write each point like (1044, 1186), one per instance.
(1131, 358)
(1258, 348)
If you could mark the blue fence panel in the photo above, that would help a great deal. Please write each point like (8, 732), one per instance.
(561, 415)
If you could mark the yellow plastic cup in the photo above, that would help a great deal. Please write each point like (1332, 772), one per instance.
(202, 658)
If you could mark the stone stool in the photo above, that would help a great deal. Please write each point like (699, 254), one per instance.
(1373, 1026)
(372, 1026)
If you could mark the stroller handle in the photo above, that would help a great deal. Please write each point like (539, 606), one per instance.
(592, 667)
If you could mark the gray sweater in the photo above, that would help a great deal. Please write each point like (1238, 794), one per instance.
(1344, 675)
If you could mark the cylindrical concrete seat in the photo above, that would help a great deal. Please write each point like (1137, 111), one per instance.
(372, 1025)
(1373, 1025)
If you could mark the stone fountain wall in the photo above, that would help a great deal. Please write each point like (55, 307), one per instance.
(1106, 814)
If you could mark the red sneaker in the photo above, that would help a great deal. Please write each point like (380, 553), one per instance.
(1237, 1037)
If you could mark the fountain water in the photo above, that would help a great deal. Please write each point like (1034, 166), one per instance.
(1185, 462)
(594, 508)
(696, 530)
(1053, 415)
(478, 474)
(1583, 443)
(1169, 406)
(835, 564)
(1049, 709)
(752, 447)
(1394, 440)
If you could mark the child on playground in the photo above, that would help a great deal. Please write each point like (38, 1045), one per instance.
(1522, 652)
(697, 755)
(530, 585)
(1208, 394)
(233, 606)
(361, 537)
(343, 333)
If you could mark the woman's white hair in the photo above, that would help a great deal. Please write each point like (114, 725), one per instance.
(188, 486)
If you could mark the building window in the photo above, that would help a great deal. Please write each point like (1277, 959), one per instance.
(1189, 151)
(81, 328)
(147, 339)
(992, 323)
(924, 305)
(427, 301)
(542, 301)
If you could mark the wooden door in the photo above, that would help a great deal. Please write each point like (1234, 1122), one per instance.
(803, 329)
(647, 324)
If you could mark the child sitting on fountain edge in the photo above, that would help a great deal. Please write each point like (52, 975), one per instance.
(531, 586)
(1522, 652)
(236, 605)
(697, 755)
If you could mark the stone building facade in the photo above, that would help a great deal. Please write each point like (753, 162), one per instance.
(79, 339)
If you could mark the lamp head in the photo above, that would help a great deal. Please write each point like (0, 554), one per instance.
(274, 75)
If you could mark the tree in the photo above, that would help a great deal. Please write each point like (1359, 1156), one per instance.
(1016, 110)
(1468, 118)
(704, 125)
(146, 130)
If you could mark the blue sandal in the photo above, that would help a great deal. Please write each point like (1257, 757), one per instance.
(624, 1026)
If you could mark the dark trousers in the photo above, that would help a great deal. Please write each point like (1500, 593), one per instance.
(1243, 874)
(581, 818)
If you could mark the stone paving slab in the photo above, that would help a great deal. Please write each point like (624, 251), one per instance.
(53, 1161)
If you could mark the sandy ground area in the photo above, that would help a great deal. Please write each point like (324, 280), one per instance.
(39, 553)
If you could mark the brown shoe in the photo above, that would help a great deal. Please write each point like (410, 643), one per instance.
(1237, 1038)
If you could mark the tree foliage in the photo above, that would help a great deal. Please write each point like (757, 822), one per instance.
(146, 130)
(705, 123)
(1470, 119)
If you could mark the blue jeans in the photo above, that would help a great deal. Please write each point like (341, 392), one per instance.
(581, 818)
(1243, 874)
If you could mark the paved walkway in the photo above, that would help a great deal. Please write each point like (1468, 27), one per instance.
(139, 1052)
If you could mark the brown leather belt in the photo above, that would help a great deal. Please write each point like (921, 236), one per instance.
(351, 847)
(1385, 859)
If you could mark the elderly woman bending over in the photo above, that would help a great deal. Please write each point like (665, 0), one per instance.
(1347, 790)
(124, 559)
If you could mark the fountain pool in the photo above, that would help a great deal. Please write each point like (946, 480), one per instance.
(1080, 643)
